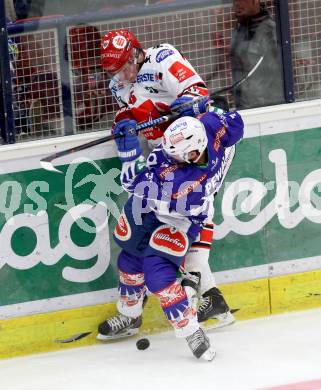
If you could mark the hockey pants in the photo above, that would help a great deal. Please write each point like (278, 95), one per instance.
(159, 276)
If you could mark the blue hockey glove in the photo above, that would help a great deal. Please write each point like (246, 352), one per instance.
(128, 145)
(193, 110)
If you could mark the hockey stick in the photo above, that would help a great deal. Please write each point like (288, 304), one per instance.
(75, 337)
(46, 162)
(239, 82)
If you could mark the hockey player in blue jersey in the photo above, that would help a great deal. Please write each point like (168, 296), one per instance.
(145, 84)
(171, 204)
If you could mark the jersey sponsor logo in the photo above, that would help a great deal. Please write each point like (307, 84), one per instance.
(167, 170)
(190, 188)
(122, 230)
(110, 55)
(179, 125)
(163, 54)
(213, 183)
(217, 141)
(180, 71)
(119, 41)
(169, 240)
(175, 138)
(151, 77)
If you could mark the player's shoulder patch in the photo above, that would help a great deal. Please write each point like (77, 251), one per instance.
(122, 230)
(161, 52)
(180, 71)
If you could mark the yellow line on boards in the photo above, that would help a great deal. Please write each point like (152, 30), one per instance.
(250, 299)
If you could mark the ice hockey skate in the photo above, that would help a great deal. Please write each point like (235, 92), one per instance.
(118, 327)
(200, 345)
(213, 311)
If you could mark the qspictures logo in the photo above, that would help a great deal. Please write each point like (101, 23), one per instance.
(92, 200)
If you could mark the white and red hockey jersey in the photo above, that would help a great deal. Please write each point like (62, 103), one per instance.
(164, 76)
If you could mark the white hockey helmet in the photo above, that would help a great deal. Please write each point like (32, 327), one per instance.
(186, 134)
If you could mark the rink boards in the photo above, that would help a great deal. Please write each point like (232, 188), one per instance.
(57, 275)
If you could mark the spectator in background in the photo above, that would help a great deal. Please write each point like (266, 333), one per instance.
(254, 36)
(24, 9)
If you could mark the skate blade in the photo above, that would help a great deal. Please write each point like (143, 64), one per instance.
(209, 355)
(220, 321)
(128, 333)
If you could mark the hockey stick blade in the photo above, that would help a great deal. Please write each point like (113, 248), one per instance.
(49, 167)
(46, 163)
(71, 339)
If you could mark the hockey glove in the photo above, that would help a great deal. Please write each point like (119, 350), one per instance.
(192, 110)
(128, 145)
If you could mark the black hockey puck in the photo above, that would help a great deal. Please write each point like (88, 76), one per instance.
(142, 344)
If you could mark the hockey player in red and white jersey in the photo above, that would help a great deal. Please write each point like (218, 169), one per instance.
(147, 84)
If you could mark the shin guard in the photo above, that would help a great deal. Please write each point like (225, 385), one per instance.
(178, 309)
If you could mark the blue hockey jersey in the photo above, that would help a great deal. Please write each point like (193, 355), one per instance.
(182, 194)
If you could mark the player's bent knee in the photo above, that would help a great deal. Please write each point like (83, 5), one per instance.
(129, 263)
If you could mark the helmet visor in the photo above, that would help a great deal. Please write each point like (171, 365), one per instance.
(128, 72)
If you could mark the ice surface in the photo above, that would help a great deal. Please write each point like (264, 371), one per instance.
(251, 355)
